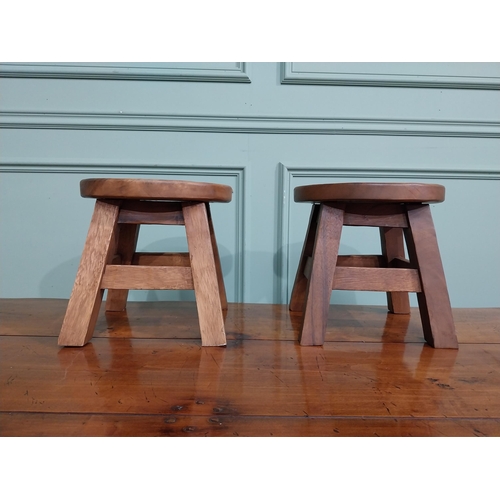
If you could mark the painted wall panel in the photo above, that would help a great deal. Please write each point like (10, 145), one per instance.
(263, 138)
(181, 71)
(391, 74)
(264, 98)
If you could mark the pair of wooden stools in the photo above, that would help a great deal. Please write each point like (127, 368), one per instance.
(401, 211)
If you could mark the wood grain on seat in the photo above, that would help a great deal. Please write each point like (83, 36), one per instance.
(371, 192)
(154, 189)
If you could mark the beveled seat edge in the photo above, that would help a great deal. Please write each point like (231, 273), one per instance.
(371, 192)
(155, 189)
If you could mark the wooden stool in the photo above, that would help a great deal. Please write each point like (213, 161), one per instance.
(109, 260)
(397, 209)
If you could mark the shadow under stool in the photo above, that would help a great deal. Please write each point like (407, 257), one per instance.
(401, 212)
(110, 261)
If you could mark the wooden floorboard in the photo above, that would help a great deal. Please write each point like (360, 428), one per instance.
(120, 425)
(145, 374)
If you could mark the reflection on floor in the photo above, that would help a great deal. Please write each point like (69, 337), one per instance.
(144, 373)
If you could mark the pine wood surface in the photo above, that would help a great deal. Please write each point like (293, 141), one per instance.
(319, 289)
(144, 373)
(86, 296)
(206, 277)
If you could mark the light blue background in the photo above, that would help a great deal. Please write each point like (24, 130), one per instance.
(262, 128)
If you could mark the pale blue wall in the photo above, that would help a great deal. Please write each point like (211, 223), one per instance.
(262, 128)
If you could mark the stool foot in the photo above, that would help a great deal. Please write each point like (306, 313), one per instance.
(433, 301)
(205, 274)
(85, 300)
(319, 287)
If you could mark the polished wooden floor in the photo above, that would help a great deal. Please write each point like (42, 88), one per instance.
(145, 374)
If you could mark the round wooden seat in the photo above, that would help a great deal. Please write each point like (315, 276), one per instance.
(110, 260)
(371, 192)
(153, 189)
(401, 211)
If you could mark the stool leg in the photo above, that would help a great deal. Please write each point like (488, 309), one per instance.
(203, 267)
(319, 287)
(127, 242)
(218, 267)
(86, 297)
(433, 301)
(393, 247)
(298, 296)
